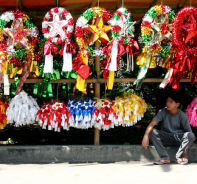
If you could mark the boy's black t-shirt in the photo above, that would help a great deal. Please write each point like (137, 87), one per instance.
(177, 123)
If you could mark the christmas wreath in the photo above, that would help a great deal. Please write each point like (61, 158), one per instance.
(86, 35)
(122, 30)
(155, 39)
(18, 47)
(184, 63)
(57, 27)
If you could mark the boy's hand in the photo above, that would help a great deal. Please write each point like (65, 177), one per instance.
(145, 141)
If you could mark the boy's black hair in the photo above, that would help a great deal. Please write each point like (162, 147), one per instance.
(176, 96)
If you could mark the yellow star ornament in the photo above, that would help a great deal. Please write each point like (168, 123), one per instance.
(99, 31)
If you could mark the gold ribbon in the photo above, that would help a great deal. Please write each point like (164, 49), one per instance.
(98, 11)
(2, 109)
(141, 59)
(34, 68)
(1, 34)
(152, 61)
(7, 68)
(110, 81)
(81, 85)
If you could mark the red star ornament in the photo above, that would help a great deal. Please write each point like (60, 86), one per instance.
(17, 34)
(99, 30)
(191, 29)
(57, 26)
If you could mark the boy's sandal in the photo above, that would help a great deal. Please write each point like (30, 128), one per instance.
(181, 161)
(161, 162)
(185, 161)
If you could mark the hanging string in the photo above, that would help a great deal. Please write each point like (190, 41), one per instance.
(161, 2)
(57, 3)
(98, 3)
(190, 2)
(122, 3)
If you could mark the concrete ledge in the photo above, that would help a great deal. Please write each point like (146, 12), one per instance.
(85, 153)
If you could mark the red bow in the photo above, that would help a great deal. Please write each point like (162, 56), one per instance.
(70, 48)
(132, 47)
(50, 48)
(175, 81)
(121, 48)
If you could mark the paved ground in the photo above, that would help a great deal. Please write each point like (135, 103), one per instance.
(93, 173)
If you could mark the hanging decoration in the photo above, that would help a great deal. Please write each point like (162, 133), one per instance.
(18, 48)
(3, 108)
(122, 30)
(156, 39)
(80, 65)
(104, 115)
(184, 61)
(191, 112)
(57, 27)
(22, 110)
(123, 111)
(81, 113)
(86, 36)
(54, 115)
(129, 109)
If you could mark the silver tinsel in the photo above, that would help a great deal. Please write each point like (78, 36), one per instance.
(81, 22)
(7, 16)
(11, 51)
(98, 52)
(70, 29)
(47, 16)
(34, 31)
(44, 24)
(140, 39)
(167, 9)
(147, 18)
(46, 35)
(69, 16)
(60, 10)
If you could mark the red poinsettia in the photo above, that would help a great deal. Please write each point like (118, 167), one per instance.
(16, 61)
(33, 40)
(18, 14)
(38, 57)
(3, 45)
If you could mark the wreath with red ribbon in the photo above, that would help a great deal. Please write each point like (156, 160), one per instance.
(185, 30)
(86, 35)
(57, 27)
(184, 64)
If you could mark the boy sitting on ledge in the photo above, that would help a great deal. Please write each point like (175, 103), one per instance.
(175, 131)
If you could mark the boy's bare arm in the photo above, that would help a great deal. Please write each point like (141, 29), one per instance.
(145, 141)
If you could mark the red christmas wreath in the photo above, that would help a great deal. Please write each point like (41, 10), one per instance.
(184, 64)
